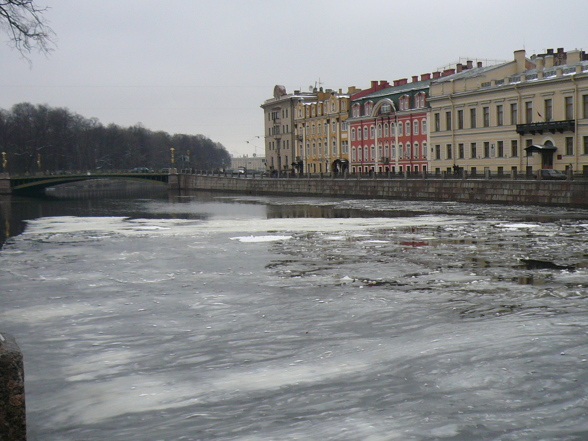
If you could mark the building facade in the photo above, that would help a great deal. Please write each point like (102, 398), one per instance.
(513, 117)
(279, 133)
(389, 127)
(322, 141)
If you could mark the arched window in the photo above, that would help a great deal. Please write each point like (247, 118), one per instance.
(415, 149)
(353, 154)
(400, 151)
(365, 133)
(408, 152)
(425, 153)
(353, 134)
(415, 128)
(386, 132)
(407, 126)
(379, 130)
(372, 132)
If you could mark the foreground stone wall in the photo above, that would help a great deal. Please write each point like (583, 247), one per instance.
(12, 392)
(523, 192)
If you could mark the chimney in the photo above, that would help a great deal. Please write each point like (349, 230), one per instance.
(574, 56)
(436, 75)
(374, 84)
(479, 64)
(384, 83)
(425, 77)
(459, 67)
(549, 60)
(470, 64)
(448, 72)
(519, 57)
(415, 78)
(539, 63)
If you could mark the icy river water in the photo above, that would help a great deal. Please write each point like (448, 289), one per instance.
(261, 318)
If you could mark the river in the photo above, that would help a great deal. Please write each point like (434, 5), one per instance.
(228, 317)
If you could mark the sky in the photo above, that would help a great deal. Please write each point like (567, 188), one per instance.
(206, 66)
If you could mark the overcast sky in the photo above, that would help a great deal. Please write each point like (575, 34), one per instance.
(206, 66)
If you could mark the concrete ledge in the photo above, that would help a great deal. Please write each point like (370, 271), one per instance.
(12, 392)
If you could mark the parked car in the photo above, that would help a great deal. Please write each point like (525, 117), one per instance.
(548, 173)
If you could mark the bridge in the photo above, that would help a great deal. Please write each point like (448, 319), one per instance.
(37, 183)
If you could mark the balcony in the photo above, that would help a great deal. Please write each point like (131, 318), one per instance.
(549, 126)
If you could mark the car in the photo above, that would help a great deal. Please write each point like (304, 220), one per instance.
(141, 170)
(550, 174)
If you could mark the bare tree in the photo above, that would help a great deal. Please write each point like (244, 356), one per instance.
(27, 29)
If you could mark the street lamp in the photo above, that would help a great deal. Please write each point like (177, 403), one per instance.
(4, 161)
(172, 156)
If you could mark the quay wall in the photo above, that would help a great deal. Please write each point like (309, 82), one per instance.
(504, 191)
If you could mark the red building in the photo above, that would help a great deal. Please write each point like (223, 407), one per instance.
(388, 127)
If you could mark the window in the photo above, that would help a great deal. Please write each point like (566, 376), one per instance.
(438, 122)
(353, 134)
(585, 152)
(437, 151)
(407, 131)
(415, 128)
(425, 150)
(408, 156)
(486, 149)
(372, 132)
(473, 121)
(334, 148)
(460, 151)
(424, 127)
(499, 115)
(365, 133)
(415, 150)
(569, 103)
(400, 129)
(401, 151)
(584, 106)
(359, 133)
(486, 116)
(448, 150)
(473, 152)
(500, 149)
(514, 148)
(460, 119)
(447, 120)
(514, 114)
(569, 145)
(353, 154)
(548, 110)
(386, 131)
(528, 112)
(379, 130)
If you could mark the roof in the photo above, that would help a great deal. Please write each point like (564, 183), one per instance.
(394, 90)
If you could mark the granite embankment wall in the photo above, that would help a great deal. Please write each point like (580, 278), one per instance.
(504, 191)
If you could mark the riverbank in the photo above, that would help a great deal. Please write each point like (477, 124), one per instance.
(572, 193)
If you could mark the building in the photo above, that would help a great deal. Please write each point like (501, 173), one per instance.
(250, 163)
(521, 115)
(389, 127)
(322, 142)
(279, 132)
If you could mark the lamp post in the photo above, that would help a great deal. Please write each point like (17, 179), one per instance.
(172, 156)
(4, 161)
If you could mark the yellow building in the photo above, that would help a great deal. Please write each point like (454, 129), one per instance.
(322, 143)
(517, 116)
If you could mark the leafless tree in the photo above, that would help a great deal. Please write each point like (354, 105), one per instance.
(27, 29)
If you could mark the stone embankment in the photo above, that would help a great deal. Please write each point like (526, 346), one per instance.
(12, 392)
(573, 193)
